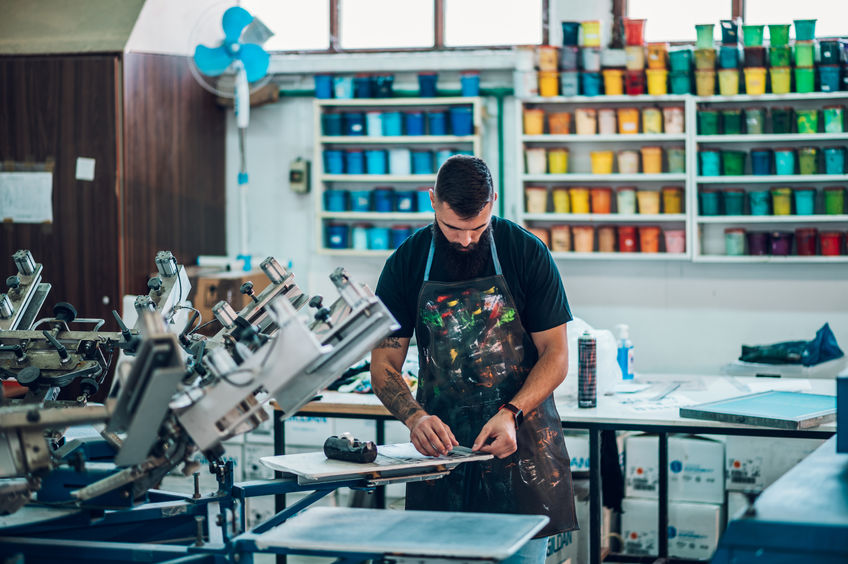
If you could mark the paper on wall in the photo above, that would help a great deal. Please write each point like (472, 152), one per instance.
(26, 197)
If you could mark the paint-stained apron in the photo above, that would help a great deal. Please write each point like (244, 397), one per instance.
(474, 356)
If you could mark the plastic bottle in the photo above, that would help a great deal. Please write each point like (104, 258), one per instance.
(625, 352)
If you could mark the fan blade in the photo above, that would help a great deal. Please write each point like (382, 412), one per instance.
(212, 61)
(255, 61)
(234, 21)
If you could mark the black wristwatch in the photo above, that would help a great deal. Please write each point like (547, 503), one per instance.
(517, 414)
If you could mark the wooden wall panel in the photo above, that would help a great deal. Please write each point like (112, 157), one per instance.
(61, 108)
(174, 166)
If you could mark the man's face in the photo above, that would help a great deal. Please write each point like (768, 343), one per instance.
(462, 234)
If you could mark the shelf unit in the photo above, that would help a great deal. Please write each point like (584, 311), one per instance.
(579, 147)
(708, 243)
(323, 181)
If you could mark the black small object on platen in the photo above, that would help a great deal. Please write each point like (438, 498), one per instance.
(348, 449)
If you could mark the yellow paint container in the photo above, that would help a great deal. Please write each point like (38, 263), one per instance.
(648, 201)
(657, 82)
(781, 201)
(755, 81)
(601, 162)
(672, 197)
(548, 83)
(781, 79)
(560, 198)
(579, 200)
(591, 33)
(728, 82)
(558, 161)
(534, 121)
(651, 160)
(613, 82)
(652, 120)
(628, 120)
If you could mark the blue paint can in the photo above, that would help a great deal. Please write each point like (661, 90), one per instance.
(461, 121)
(710, 163)
(422, 200)
(422, 162)
(834, 160)
(335, 200)
(376, 161)
(378, 238)
(442, 155)
(337, 236)
(360, 200)
(784, 161)
(359, 236)
(333, 161)
(354, 123)
(427, 84)
(437, 123)
(383, 200)
(414, 122)
(343, 86)
(405, 201)
(323, 86)
(399, 233)
(331, 124)
(470, 83)
(354, 161)
(374, 124)
(759, 201)
(805, 201)
(761, 162)
(392, 124)
(362, 86)
(590, 83)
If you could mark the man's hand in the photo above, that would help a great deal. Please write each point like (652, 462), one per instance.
(498, 435)
(430, 435)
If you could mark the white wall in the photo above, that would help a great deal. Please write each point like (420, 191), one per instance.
(684, 317)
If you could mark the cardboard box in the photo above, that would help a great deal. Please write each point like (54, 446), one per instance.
(695, 468)
(754, 463)
(693, 528)
(211, 288)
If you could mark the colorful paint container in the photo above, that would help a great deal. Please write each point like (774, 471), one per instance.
(752, 35)
(634, 31)
(374, 124)
(808, 121)
(805, 201)
(728, 82)
(705, 36)
(568, 57)
(333, 161)
(601, 162)
(584, 238)
(354, 123)
(705, 59)
(628, 161)
(422, 200)
(606, 239)
(805, 30)
(834, 200)
(461, 121)
(590, 83)
(628, 120)
(755, 56)
(591, 33)
(442, 155)
(734, 241)
(761, 160)
(673, 119)
(730, 31)
(323, 86)
(335, 200)
(548, 83)
(781, 243)
(781, 79)
(710, 160)
(728, 57)
(755, 81)
(384, 85)
(591, 59)
(331, 124)
(613, 82)
(675, 241)
(781, 120)
(558, 161)
(400, 162)
(651, 160)
(536, 199)
(780, 56)
(579, 200)
(427, 84)
(808, 160)
(414, 123)
(376, 162)
(626, 239)
(830, 78)
(731, 122)
(469, 83)
(392, 124)
(733, 163)
(784, 161)
(601, 197)
(570, 33)
(680, 82)
(781, 201)
(560, 200)
(379, 238)
(536, 160)
(399, 234)
(833, 120)
(634, 83)
(758, 243)
(831, 243)
(804, 53)
(759, 202)
(754, 121)
(625, 200)
(383, 199)
(569, 83)
(534, 121)
(343, 86)
(831, 52)
(336, 235)
(656, 54)
(834, 160)
(705, 82)
(561, 238)
(422, 162)
(649, 239)
(672, 199)
(778, 35)
(805, 79)
(559, 123)
(437, 123)
(360, 200)
(634, 58)
(676, 157)
(680, 60)
(607, 124)
(648, 202)
(359, 236)
(734, 201)
(362, 86)
(708, 199)
(708, 122)
(805, 241)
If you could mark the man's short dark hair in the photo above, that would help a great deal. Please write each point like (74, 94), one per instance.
(465, 184)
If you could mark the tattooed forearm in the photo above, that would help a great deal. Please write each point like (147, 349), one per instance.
(395, 395)
(389, 343)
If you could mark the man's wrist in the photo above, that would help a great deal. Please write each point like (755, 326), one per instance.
(516, 412)
(412, 420)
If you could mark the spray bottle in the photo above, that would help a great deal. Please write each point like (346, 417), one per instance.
(625, 352)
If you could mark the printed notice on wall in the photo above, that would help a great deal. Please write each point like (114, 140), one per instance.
(26, 197)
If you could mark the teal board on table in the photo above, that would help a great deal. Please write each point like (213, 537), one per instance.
(784, 410)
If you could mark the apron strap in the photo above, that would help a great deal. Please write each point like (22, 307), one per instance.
(495, 259)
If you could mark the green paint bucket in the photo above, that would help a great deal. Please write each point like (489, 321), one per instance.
(681, 82)
(780, 56)
(731, 122)
(834, 200)
(781, 120)
(707, 122)
(778, 34)
(808, 121)
(680, 60)
(733, 163)
(752, 35)
(833, 120)
(805, 79)
(754, 121)
(705, 36)
(805, 53)
(805, 30)
(808, 160)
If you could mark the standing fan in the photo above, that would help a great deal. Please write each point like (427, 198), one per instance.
(233, 67)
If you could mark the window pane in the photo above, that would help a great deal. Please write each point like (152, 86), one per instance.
(493, 22)
(374, 24)
(297, 25)
(831, 14)
(675, 21)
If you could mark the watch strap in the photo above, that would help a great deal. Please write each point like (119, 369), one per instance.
(517, 413)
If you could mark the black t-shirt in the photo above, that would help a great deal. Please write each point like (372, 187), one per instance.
(527, 266)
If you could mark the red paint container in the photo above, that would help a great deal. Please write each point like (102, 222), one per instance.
(805, 241)
(831, 243)
(634, 82)
(626, 239)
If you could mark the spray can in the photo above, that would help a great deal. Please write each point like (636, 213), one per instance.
(625, 352)
(587, 373)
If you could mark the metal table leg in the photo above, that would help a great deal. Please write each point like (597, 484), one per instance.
(662, 502)
(594, 496)
(279, 448)
(380, 492)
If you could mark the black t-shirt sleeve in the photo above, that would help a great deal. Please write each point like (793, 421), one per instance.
(546, 304)
(393, 290)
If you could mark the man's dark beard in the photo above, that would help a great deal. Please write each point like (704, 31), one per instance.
(463, 264)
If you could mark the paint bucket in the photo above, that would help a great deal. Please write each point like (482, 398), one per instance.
(558, 161)
(584, 238)
(634, 31)
(400, 162)
(705, 36)
(681, 82)
(606, 239)
(626, 239)
(379, 238)
(648, 202)
(755, 81)
(634, 83)
(831, 52)
(560, 238)
(613, 58)
(579, 199)
(601, 199)
(392, 124)
(625, 200)
(675, 241)
(778, 35)
(360, 200)
(781, 79)
(323, 86)
(560, 200)
(333, 161)
(761, 162)
(649, 239)
(569, 83)
(601, 162)
(656, 55)
(728, 57)
(363, 86)
(733, 163)
(547, 57)
(705, 59)
(754, 121)
(805, 241)
(354, 123)
(734, 201)
(437, 123)
(525, 84)
(808, 160)
(805, 201)
(374, 124)
(759, 202)
(359, 236)
(383, 199)
(680, 60)
(570, 33)
(676, 157)
(731, 122)
(830, 78)
(586, 121)
(404, 201)
(758, 243)
(590, 59)
(343, 86)
(831, 243)
(559, 123)
(657, 82)
(834, 160)
(708, 122)
(672, 199)
(442, 155)
(414, 123)
(336, 200)
(805, 30)
(399, 234)
(651, 160)
(383, 85)
(461, 122)
(634, 57)
(752, 35)
(708, 198)
(833, 120)
(728, 82)
(652, 120)
(422, 200)
(730, 31)
(613, 82)
(780, 56)
(548, 83)
(705, 82)
(781, 120)
(427, 84)
(834, 200)
(376, 161)
(336, 236)
(781, 201)
(568, 57)
(591, 33)
(606, 121)
(784, 161)
(536, 199)
(710, 160)
(628, 162)
(534, 121)
(673, 119)
(805, 52)
(628, 120)
(805, 79)
(781, 243)
(755, 56)
(590, 83)
(331, 124)
(536, 160)
(734, 241)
